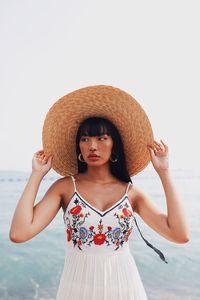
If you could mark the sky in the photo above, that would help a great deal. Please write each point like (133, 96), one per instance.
(148, 48)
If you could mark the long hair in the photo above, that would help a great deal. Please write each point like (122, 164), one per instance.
(96, 126)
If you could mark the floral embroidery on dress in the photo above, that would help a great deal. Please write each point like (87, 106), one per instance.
(103, 234)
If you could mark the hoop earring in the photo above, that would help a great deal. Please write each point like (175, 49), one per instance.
(79, 157)
(113, 160)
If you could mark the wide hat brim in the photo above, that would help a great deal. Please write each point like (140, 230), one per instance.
(64, 117)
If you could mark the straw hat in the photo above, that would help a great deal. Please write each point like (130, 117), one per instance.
(66, 114)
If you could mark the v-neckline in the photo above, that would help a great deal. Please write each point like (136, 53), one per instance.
(102, 213)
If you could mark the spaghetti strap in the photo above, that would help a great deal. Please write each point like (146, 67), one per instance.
(150, 245)
(129, 183)
(73, 179)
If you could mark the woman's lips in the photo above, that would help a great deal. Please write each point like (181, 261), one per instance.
(93, 157)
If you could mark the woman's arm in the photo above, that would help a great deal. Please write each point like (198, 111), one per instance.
(174, 225)
(23, 215)
(176, 216)
(29, 220)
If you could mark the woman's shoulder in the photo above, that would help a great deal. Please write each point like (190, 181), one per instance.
(135, 195)
(136, 191)
(62, 180)
(63, 184)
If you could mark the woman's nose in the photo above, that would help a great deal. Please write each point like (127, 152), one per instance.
(93, 144)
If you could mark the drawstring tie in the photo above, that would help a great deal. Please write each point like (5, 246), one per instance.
(151, 246)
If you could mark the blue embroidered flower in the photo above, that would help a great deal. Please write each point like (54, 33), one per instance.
(116, 233)
(83, 233)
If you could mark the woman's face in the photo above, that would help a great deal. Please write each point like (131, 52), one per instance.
(101, 146)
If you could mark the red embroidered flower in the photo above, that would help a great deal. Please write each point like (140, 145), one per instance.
(127, 212)
(100, 227)
(91, 227)
(99, 239)
(79, 242)
(75, 210)
(81, 215)
(109, 228)
(129, 231)
(117, 243)
(127, 236)
(69, 234)
(121, 216)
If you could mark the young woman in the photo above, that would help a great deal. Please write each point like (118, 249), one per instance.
(99, 204)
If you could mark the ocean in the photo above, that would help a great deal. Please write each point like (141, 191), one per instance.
(32, 270)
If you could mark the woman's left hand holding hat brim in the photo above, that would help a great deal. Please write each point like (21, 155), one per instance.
(159, 156)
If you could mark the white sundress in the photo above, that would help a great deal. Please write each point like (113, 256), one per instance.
(98, 263)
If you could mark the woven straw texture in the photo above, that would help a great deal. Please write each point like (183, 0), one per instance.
(66, 114)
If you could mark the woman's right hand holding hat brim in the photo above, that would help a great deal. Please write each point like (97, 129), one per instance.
(41, 164)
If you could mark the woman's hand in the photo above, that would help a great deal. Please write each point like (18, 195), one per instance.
(159, 156)
(41, 163)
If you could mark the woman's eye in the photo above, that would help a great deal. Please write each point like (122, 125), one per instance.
(83, 139)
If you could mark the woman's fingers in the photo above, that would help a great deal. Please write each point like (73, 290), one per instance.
(41, 157)
(160, 145)
(157, 148)
(39, 152)
(50, 159)
(152, 149)
(164, 144)
(44, 159)
(47, 159)
(157, 144)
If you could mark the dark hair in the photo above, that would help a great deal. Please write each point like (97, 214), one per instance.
(96, 126)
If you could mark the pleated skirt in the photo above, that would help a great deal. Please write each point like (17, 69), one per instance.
(100, 276)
